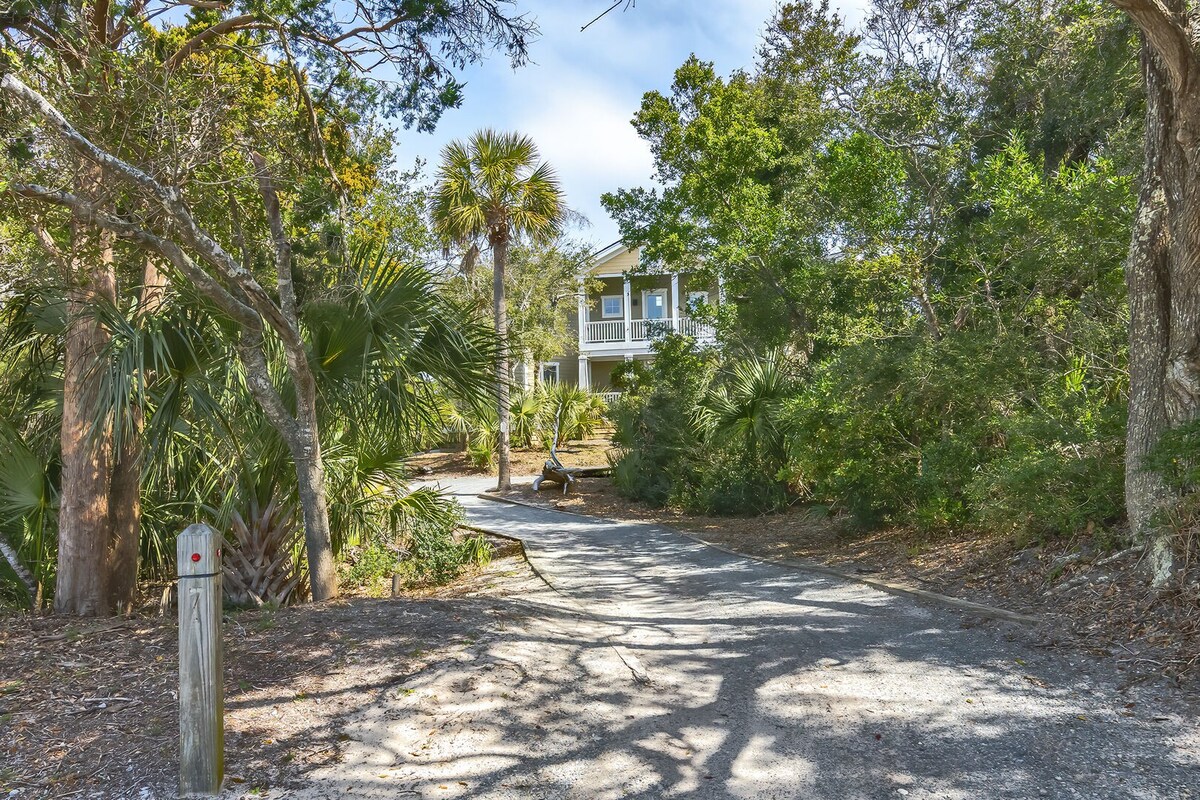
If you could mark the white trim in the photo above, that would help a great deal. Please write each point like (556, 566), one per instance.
(582, 312)
(620, 309)
(547, 365)
(628, 309)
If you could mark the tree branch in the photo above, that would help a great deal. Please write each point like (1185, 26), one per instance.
(250, 347)
(1165, 33)
(88, 213)
(241, 22)
(170, 199)
(372, 29)
(283, 248)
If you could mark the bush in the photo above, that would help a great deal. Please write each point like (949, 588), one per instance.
(732, 482)
(532, 417)
(894, 431)
(437, 556)
(1039, 490)
(706, 439)
(370, 566)
(972, 431)
(656, 429)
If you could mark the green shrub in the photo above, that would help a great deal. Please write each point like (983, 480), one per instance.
(369, 566)
(525, 417)
(577, 413)
(1177, 457)
(1039, 490)
(437, 556)
(732, 482)
(481, 452)
(705, 439)
(629, 376)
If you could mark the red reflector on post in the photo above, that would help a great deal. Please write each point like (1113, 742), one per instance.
(195, 556)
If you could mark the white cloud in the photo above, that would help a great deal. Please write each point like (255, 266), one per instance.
(580, 91)
(584, 132)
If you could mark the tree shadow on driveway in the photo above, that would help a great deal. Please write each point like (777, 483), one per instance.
(661, 668)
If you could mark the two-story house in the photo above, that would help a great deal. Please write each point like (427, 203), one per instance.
(619, 321)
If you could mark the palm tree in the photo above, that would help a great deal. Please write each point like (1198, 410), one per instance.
(746, 410)
(493, 187)
(388, 352)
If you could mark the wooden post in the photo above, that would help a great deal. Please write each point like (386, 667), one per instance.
(201, 680)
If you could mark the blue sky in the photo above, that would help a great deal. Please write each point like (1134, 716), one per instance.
(580, 89)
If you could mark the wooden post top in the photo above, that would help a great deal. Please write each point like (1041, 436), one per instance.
(198, 552)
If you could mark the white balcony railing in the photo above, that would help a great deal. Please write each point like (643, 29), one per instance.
(613, 332)
(607, 331)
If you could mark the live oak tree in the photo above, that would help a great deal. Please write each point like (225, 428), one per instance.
(494, 188)
(934, 216)
(1163, 268)
(78, 54)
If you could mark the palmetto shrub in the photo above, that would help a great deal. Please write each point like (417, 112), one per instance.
(571, 412)
(259, 561)
(535, 415)
(389, 353)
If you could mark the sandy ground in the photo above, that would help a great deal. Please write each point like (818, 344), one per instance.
(1089, 595)
(660, 667)
(87, 709)
(448, 463)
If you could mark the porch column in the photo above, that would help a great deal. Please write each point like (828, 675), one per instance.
(628, 312)
(720, 290)
(676, 306)
(585, 379)
(583, 311)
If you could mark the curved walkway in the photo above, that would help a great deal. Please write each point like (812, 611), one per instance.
(664, 668)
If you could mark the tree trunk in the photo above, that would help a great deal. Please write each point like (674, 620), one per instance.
(1163, 269)
(500, 306)
(125, 517)
(9, 553)
(1147, 276)
(310, 479)
(81, 585)
(125, 496)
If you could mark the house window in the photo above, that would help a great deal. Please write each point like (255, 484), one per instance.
(611, 306)
(696, 299)
(550, 372)
(656, 304)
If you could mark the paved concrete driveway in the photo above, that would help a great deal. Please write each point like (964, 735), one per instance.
(663, 668)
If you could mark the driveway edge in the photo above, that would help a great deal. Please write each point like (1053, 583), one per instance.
(890, 587)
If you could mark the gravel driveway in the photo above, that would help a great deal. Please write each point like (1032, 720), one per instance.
(659, 667)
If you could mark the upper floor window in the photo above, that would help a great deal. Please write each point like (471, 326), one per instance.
(696, 299)
(611, 306)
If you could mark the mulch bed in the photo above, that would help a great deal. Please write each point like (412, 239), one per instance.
(1089, 598)
(88, 707)
(591, 453)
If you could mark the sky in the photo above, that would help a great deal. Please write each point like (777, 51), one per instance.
(580, 90)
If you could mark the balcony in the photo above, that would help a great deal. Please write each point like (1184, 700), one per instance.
(640, 332)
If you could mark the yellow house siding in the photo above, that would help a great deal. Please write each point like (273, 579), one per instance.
(619, 263)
